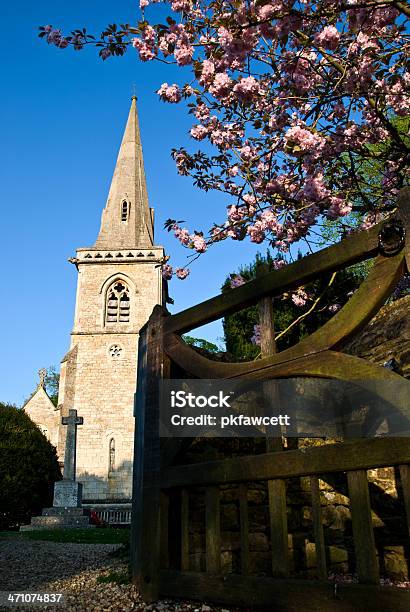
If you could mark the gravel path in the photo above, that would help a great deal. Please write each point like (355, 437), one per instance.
(73, 569)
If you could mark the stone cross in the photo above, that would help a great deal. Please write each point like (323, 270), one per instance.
(42, 375)
(71, 443)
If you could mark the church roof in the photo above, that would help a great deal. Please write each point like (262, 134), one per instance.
(127, 220)
(40, 396)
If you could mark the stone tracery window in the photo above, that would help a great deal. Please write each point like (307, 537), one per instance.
(118, 303)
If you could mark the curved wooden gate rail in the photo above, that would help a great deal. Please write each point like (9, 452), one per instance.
(160, 540)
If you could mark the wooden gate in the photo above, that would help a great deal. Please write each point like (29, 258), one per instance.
(162, 491)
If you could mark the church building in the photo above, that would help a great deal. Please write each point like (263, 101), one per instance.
(119, 283)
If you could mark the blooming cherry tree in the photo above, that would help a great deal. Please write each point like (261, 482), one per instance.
(293, 96)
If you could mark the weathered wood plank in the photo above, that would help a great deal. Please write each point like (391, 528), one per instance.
(336, 257)
(318, 528)
(363, 535)
(282, 595)
(244, 527)
(213, 529)
(278, 527)
(184, 530)
(405, 484)
(164, 562)
(354, 455)
(310, 362)
(146, 493)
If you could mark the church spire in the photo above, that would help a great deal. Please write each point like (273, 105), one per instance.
(127, 220)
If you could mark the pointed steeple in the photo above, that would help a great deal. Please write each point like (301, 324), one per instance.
(127, 220)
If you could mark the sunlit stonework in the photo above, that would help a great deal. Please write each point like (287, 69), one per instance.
(119, 283)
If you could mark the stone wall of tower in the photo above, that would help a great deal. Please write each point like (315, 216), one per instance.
(99, 372)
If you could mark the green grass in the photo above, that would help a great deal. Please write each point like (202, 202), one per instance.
(123, 577)
(80, 536)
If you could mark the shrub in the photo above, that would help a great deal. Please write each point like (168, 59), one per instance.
(28, 468)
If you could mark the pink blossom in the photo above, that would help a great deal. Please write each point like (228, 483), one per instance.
(299, 298)
(199, 132)
(145, 50)
(233, 170)
(250, 201)
(270, 220)
(182, 162)
(268, 10)
(315, 188)
(201, 112)
(370, 219)
(237, 281)
(256, 232)
(334, 307)
(181, 5)
(256, 338)
(247, 88)
(183, 55)
(182, 235)
(338, 207)
(329, 37)
(169, 93)
(292, 125)
(199, 243)
(182, 273)
(305, 140)
(247, 153)
(221, 85)
(278, 264)
(208, 71)
(233, 213)
(188, 90)
(225, 37)
(149, 35)
(167, 272)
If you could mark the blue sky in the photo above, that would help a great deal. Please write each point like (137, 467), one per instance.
(62, 115)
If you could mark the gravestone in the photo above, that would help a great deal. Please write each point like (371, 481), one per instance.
(66, 512)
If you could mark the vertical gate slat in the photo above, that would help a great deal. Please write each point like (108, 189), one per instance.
(164, 530)
(318, 528)
(184, 530)
(276, 488)
(363, 535)
(405, 484)
(278, 528)
(213, 530)
(267, 330)
(244, 526)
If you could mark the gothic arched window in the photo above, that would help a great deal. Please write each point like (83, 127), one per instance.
(124, 211)
(118, 303)
(111, 459)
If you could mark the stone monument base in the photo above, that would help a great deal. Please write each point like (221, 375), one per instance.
(67, 494)
(60, 518)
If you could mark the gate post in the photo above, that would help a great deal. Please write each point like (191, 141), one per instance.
(276, 488)
(146, 531)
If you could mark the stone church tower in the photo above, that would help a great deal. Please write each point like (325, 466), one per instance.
(119, 283)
